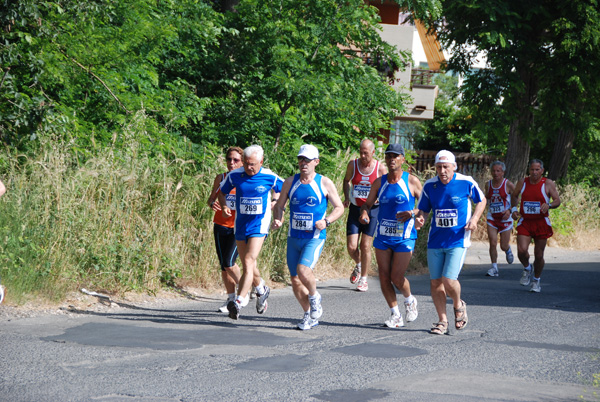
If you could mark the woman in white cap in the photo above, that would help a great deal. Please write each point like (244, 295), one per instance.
(449, 196)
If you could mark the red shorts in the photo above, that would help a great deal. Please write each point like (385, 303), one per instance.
(536, 228)
(500, 225)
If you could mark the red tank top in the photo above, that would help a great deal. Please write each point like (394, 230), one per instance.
(499, 200)
(360, 184)
(532, 198)
(230, 198)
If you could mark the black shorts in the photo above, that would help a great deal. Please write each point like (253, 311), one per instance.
(226, 246)
(353, 226)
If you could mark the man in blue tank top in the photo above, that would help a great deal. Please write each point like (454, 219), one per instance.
(253, 185)
(308, 193)
(395, 234)
(448, 196)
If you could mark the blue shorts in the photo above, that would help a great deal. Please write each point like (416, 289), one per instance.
(353, 225)
(303, 251)
(397, 246)
(446, 262)
(245, 236)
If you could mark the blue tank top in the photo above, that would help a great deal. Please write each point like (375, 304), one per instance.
(308, 204)
(395, 198)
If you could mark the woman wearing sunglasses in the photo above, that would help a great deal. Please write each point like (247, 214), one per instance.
(223, 229)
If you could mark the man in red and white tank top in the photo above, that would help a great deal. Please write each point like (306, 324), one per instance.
(499, 221)
(360, 175)
(538, 195)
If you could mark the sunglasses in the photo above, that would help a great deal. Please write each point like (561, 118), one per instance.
(233, 160)
(304, 159)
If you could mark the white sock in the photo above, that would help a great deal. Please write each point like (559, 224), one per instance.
(315, 296)
(409, 299)
(395, 310)
(536, 279)
(241, 300)
(260, 289)
(528, 268)
(495, 265)
(231, 296)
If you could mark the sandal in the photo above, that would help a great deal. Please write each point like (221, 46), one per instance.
(463, 316)
(439, 328)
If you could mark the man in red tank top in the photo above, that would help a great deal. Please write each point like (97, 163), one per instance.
(538, 195)
(360, 175)
(499, 222)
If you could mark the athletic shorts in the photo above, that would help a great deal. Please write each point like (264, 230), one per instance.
(535, 228)
(226, 246)
(353, 225)
(246, 236)
(446, 262)
(397, 246)
(500, 225)
(303, 251)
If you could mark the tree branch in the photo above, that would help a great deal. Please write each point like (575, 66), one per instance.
(99, 79)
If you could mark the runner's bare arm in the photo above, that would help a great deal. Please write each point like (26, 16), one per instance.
(346, 184)
(334, 198)
(514, 199)
(279, 207)
(371, 198)
(552, 192)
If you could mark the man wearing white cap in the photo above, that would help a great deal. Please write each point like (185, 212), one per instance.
(449, 196)
(309, 193)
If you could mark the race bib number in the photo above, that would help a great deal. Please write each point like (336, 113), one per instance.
(302, 221)
(389, 228)
(496, 207)
(230, 201)
(361, 191)
(531, 207)
(446, 218)
(251, 206)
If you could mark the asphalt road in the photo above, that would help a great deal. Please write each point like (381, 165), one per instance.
(518, 346)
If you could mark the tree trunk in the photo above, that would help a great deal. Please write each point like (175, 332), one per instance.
(561, 154)
(517, 153)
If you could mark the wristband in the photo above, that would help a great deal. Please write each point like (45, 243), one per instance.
(514, 209)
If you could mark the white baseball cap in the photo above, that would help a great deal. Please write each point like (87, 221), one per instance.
(309, 151)
(445, 157)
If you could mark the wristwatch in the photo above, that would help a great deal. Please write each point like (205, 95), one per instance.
(327, 223)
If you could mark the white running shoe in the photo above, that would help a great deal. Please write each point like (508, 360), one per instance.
(492, 272)
(316, 311)
(509, 256)
(261, 301)
(395, 321)
(526, 277)
(411, 310)
(2, 288)
(355, 274)
(535, 286)
(223, 308)
(362, 286)
(307, 322)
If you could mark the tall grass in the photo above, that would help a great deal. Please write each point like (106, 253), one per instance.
(129, 220)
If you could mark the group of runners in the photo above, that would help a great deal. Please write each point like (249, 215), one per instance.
(387, 206)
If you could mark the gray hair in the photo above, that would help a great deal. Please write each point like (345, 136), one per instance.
(255, 150)
(531, 162)
(368, 141)
(498, 163)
